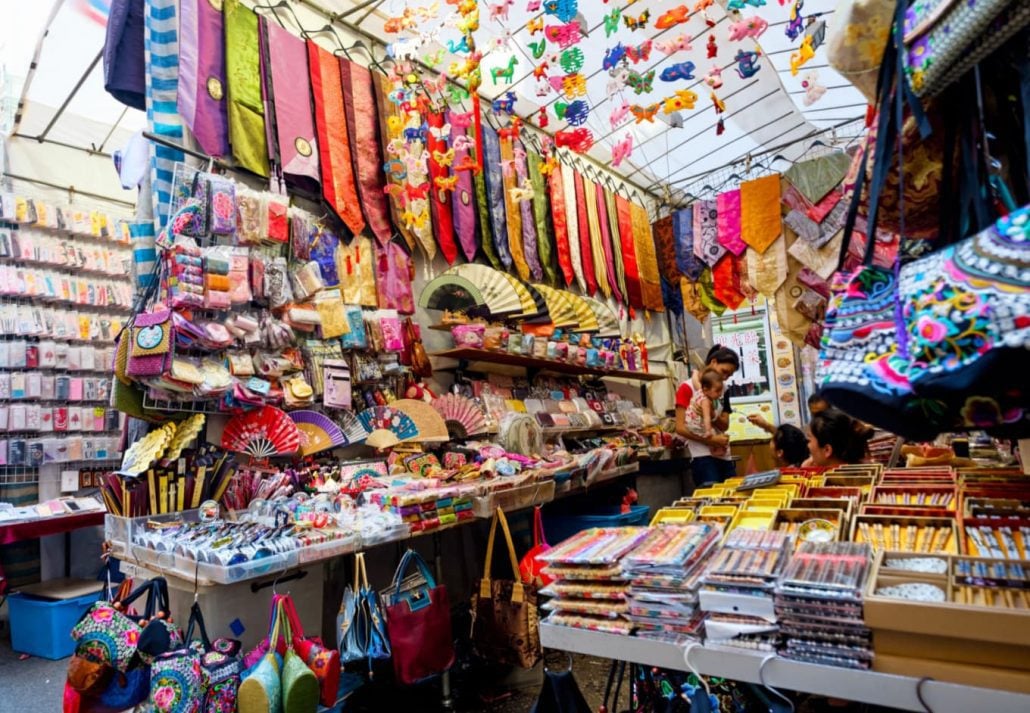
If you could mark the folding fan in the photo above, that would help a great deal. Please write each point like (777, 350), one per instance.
(463, 416)
(499, 294)
(607, 322)
(451, 292)
(317, 432)
(352, 429)
(390, 419)
(563, 314)
(262, 433)
(586, 320)
(539, 313)
(529, 306)
(431, 427)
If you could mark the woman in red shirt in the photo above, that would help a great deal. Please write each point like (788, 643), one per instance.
(705, 467)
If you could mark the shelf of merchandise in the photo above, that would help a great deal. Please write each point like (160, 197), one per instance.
(467, 354)
(880, 689)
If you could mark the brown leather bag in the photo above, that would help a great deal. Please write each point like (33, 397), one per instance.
(88, 677)
(505, 621)
(420, 363)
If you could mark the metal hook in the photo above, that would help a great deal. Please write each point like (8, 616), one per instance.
(772, 690)
(693, 670)
(919, 693)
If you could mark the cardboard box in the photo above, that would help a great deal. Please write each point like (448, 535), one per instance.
(1005, 679)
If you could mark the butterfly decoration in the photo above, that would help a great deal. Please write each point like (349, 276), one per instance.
(673, 17)
(564, 35)
(714, 78)
(415, 221)
(747, 64)
(533, 6)
(713, 49)
(440, 132)
(620, 113)
(681, 70)
(637, 23)
(418, 192)
(445, 183)
(813, 90)
(499, 11)
(504, 104)
(801, 57)
(683, 99)
(611, 22)
(795, 22)
(752, 27)
(433, 59)
(613, 55)
(444, 158)
(522, 192)
(396, 190)
(622, 149)
(435, 86)
(537, 48)
(640, 83)
(535, 25)
(677, 44)
(579, 140)
(642, 113)
(574, 85)
(640, 53)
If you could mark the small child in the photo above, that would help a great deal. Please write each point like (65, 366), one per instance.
(706, 406)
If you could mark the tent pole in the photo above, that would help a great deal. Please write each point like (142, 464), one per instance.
(68, 99)
(18, 113)
(70, 189)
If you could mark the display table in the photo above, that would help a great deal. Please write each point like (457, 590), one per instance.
(863, 686)
(44, 526)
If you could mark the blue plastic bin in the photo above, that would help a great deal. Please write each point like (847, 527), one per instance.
(559, 527)
(42, 627)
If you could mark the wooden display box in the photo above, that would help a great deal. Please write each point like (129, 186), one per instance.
(1004, 679)
(902, 511)
(951, 544)
(895, 496)
(1015, 525)
(800, 515)
(831, 491)
(943, 631)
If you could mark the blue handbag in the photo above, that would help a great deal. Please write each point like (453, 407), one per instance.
(360, 621)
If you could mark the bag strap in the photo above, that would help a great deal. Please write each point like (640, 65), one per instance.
(197, 619)
(277, 625)
(359, 565)
(518, 594)
(296, 628)
(539, 537)
(411, 556)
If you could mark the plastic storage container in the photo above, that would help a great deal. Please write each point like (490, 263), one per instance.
(42, 627)
(559, 527)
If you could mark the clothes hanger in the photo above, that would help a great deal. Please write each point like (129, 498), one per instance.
(274, 8)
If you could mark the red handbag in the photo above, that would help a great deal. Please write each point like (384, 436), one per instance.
(418, 618)
(324, 662)
(531, 569)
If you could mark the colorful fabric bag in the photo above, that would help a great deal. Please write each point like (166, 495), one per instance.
(323, 662)
(531, 568)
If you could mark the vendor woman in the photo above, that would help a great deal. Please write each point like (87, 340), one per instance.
(705, 467)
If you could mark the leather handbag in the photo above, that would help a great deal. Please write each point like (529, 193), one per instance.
(418, 617)
(505, 624)
(531, 568)
(362, 630)
(323, 661)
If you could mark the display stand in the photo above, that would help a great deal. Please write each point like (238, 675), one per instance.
(881, 689)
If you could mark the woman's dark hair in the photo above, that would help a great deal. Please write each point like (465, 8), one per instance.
(842, 433)
(791, 441)
(722, 355)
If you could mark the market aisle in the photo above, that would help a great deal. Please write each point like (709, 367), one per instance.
(34, 684)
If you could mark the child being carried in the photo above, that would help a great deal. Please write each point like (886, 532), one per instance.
(705, 407)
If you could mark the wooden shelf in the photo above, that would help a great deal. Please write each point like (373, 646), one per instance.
(468, 354)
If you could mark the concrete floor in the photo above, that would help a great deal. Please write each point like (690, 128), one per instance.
(34, 684)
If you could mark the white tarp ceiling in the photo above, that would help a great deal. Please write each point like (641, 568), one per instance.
(766, 109)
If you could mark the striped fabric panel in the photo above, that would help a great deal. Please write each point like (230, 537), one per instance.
(144, 253)
(162, 56)
(20, 561)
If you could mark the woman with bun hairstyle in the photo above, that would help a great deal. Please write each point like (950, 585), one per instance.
(834, 438)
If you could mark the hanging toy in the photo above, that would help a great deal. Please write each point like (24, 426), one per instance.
(752, 27)
(644, 113)
(579, 140)
(747, 64)
(622, 150)
(505, 104)
(542, 119)
(506, 74)
(801, 57)
(564, 10)
(574, 85)
(572, 60)
(620, 113)
(682, 70)
(576, 113)
(613, 56)
(683, 99)
(619, 77)
(713, 49)
(719, 104)
(816, 29)
(677, 44)
(640, 53)
(434, 59)
(640, 83)
(611, 22)
(537, 48)
(540, 71)
(813, 90)
(637, 23)
(499, 11)
(522, 192)
(535, 25)
(673, 17)
(720, 127)
(533, 6)
(795, 22)
(714, 78)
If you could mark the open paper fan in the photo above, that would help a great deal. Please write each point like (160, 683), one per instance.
(262, 433)
(390, 419)
(529, 305)
(318, 432)
(586, 320)
(430, 425)
(451, 292)
(498, 293)
(463, 416)
(563, 314)
(352, 429)
(540, 313)
(607, 322)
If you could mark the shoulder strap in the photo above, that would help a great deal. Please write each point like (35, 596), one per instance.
(485, 590)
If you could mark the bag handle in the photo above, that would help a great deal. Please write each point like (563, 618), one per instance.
(296, 628)
(518, 594)
(360, 573)
(277, 624)
(197, 618)
(539, 537)
(411, 556)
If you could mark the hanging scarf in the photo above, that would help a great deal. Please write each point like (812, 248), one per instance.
(569, 181)
(124, 52)
(768, 270)
(665, 249)
(586, 253)
(356, 266)
(529, 242)
(359, 106)
(706, 232)
(597, 253)
(707, 293)
(483, 232)
(629, 252)
(394, 273)
(512, 211)
(556, 186)
(463, 203)
(647, 262)
(818, 176)
(294, 125)
(201, 91)
(246, 111)
(440, 201)
(541, 209)
(760, 222)
(672, 297)
(793, 324)
(728, 207)
(693, 304)
(495, 195)
(726, 278)
(612, 213)
(162, 70)
(606, 242)
(385, 109)
(821, 260)
(338, 186)
(689, 265)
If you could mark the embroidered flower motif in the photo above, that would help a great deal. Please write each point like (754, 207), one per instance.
(163, 697)
(131, 637)
(102, 615)
(930, 329)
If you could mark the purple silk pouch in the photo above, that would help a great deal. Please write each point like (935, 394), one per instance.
(606, 242)
(294, 117)
(463, 202)
(529, 249)
(201, 96)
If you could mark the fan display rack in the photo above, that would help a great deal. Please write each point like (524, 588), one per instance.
(534, 366)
